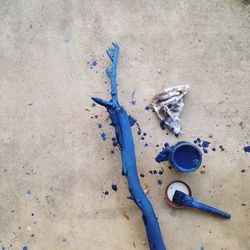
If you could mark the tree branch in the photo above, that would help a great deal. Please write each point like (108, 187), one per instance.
(124, 136)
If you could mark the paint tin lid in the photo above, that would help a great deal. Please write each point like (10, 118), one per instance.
(172, 187)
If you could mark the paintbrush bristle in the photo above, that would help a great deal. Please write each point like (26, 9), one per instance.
(179, 197)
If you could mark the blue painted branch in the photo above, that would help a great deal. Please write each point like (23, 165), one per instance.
(120, 121)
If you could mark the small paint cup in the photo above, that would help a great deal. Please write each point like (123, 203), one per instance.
(172, 187)
(184, 156)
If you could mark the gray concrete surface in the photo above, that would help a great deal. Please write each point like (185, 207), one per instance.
(54, 165)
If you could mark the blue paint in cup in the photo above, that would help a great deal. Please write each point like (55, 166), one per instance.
(184, 156)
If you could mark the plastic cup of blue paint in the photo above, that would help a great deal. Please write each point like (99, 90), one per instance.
(184, 156)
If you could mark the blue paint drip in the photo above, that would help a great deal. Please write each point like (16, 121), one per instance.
(99, 125)
(132, 120)
(205, 144)
(114, 187)
(103, 135)
(93, 64)
(247, 149)
(160, 172)
(159, 182)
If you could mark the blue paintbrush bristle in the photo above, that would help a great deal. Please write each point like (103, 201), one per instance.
(179, 197)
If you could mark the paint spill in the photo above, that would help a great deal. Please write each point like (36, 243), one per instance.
(114, 187)
(104, 137)
(247, 149)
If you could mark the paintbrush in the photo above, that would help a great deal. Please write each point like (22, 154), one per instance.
(183, 199)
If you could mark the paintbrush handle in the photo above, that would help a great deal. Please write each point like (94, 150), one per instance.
(196, 204)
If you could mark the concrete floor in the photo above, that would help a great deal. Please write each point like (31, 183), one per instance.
(54, 164)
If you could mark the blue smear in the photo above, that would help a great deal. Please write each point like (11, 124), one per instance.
(114, 187)
(99, 125)
(205, 144)
(29, 192)
(103, 135)
(202, 248)
(142, 175)
(25, 248)
(132, 120)
(247, 149)
(96, 116)
(133, 99)
(3, 248)
(159, 182)
(138, 127)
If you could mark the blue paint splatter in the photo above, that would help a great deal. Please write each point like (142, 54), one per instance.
(25, 248)
(113, 139)
(93, 104)
(94, 63)
(213, 149)
(142, 138)
(144, 134)
(66, 40)
(96, 116)
(205, 151)
(157, 145)
(147, 108)
(247, 149)
(112, 151)
(132, 120)
(145, 145)
(106, 192)
(142, 175)
(114, 187)
(99, 125)
(115, 143)
(133, 99)
(205, 144)
(155, 172)
(103, 135)
(159, 182)
(202, 248)
(162, 125)
(160, 172)
(198, 139)
(29, 192)
(151, 172)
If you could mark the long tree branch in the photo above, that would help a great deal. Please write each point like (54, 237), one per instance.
(124, 137)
